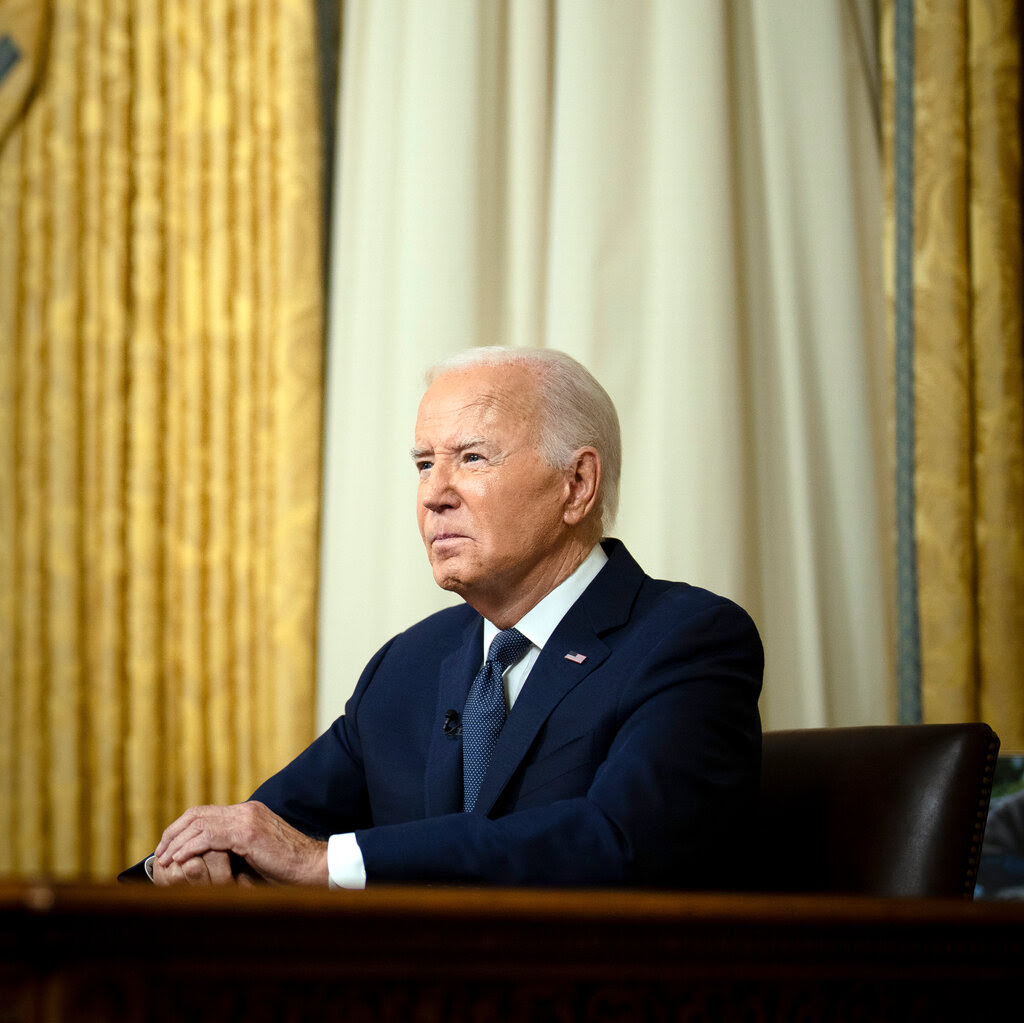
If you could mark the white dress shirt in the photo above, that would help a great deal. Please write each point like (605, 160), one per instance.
(345, 866)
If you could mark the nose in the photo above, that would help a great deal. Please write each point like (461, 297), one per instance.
(437, 489)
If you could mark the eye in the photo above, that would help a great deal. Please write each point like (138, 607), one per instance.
(422, 465)
(472, 456)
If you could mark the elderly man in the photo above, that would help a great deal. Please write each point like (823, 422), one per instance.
(574, 722)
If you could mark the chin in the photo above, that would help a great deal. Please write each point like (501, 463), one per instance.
(452, 583)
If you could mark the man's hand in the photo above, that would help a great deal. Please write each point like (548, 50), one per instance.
(209, 869)
(195, 848)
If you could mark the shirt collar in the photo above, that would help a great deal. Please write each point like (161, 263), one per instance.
(542, 619)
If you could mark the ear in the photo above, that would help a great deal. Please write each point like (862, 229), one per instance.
(583, 482)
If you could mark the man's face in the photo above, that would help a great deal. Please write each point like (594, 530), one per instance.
(489, 508)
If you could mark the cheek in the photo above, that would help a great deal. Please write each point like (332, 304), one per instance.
(546, 495)
(535, 515)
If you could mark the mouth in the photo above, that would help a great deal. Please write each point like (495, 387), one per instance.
(445, 541)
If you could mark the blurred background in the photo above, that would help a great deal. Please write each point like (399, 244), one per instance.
(785, 236)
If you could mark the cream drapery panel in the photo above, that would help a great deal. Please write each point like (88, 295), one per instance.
(684, 196)
(960, 173)
(160, 348)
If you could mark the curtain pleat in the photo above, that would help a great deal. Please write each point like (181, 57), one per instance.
(997, 337)
(160, 313)
(968, 378)
(139, 377)
(944, 442)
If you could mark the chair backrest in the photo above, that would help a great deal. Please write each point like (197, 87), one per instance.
(886, 810)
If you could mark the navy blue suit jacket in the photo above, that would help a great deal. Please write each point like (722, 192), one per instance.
(637, 765)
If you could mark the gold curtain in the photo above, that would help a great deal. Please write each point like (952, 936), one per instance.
(160, 396)
(968, 399)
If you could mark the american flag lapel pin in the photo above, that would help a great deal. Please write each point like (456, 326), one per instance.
(575, 657)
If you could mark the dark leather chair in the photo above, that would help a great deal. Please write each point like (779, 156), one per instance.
(886, 810)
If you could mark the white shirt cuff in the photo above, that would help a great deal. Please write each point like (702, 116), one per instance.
(345, 867)
(148, 866)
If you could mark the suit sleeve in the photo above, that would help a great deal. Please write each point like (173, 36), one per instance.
(323, 790)
(668, 806)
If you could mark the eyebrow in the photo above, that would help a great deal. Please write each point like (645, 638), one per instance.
(456, 446)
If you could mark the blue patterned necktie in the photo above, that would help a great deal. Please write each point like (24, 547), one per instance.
(484, 713)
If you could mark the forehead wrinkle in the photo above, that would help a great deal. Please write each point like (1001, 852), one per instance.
(501, 400)
(483, 408)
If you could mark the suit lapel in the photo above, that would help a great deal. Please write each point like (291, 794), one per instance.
(549, 681)
(604, 605)
(443, 778)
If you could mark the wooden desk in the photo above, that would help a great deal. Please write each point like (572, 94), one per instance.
(79, 952)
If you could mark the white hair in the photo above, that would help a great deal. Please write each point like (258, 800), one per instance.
(576, 411)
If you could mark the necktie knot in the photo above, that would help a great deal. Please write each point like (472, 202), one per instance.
(508, 648)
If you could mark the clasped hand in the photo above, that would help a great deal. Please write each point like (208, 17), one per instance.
(203, 845)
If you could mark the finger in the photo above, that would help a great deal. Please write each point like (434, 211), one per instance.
(202, 829)
(196, 872)
(176, 827)
(218, 865)
(167, 876)
(185, 844)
